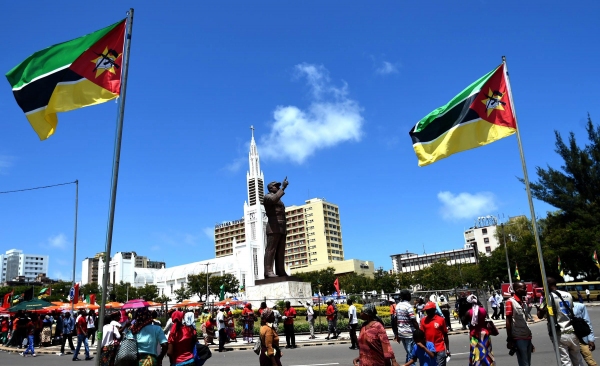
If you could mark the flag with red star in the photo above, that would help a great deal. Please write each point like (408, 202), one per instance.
(69, 75)
(480, 114)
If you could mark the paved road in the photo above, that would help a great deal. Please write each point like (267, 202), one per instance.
(333, 355)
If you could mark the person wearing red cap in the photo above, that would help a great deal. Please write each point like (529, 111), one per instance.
(436, 332)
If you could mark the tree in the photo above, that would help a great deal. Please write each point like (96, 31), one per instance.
(148, 292)
(385, 281)
(121, 292)
(353, 283)
(197, 284)
(231, 284)
(572, 232)
(181, 294)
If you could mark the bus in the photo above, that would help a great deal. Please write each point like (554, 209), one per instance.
(573, 287)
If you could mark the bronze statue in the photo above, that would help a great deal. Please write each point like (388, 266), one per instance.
(276, 230)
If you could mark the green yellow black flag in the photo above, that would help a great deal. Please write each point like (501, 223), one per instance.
(480, 114)
(69, 75)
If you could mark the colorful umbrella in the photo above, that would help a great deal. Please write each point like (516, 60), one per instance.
(86, 306)
(113, 305)
(135, 304)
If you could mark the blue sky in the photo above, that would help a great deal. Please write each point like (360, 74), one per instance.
(332, 91)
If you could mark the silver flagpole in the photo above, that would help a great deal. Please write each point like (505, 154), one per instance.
(115, 173)
(533, 222)
(75, 240)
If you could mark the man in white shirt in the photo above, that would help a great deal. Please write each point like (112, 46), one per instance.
(494, 304)
(353, 323)
(221, 326)
(310, 318)
(568, 343)
(587, 294)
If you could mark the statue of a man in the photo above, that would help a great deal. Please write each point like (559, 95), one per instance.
(276, 230)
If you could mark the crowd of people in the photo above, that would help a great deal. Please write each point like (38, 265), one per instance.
(420, 327)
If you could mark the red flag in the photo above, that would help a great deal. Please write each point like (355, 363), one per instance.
(6, 302)
(92, 298)
(76, 294)
(336, 284)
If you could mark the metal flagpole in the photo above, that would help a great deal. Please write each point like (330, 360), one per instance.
(506, 251)
(533, 222)
(75, 240)
(115, 172)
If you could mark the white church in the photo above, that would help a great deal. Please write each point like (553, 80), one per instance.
(246, 262)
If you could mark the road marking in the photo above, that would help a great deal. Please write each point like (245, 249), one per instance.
(319, 364)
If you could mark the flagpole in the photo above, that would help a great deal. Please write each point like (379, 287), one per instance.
(115, 172)
(533, 218)
(506, 252)
(75, 238)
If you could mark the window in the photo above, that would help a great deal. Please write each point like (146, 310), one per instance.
(488, 249)
(484, 231)
(486, 240)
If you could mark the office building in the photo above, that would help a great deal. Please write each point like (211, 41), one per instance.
(14, 264)
(314, 234)
(482, 235)
(411, 262)
(120, 264)
(340, 268)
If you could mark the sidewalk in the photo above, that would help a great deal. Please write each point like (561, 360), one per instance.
(302, 340)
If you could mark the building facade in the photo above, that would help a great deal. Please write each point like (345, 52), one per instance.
(14, 264)
(314, 234)
(357, 266)
(123, 266)
(482, 235)
(411, 262)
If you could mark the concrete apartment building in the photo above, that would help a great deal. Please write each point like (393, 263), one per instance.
(15, 264)
(120, 263)
(482, 235)
(314, 234)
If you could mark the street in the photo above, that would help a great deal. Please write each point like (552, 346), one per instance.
(332, 355)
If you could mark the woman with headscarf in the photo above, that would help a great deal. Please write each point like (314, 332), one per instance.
(248, 318)
(110, 335)
(148, 337)
(270, 354)
(445, 307)
(208, 329)
(373, 344)
(182, 339)
(481, 343)
(46, 331)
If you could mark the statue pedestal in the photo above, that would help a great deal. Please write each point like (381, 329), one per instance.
(277, 289)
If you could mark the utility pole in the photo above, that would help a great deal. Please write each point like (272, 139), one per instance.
(206, 264)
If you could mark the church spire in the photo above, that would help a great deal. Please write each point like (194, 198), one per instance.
(254, 176)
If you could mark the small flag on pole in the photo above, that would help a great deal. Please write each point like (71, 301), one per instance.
(336, 284)
(560, 270)
(222, 292)
(596, 259)
(477, 116)
(517, 272)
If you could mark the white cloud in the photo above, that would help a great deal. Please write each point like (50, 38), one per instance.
(209, 232)
(466, 205)
(58, 241)
(330, 119)
(387, 68)
(5, 163)
(235, 165)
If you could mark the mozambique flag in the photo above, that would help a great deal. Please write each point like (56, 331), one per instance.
(480, 114)
(222, 292)
(596, 259)
(560, 270)
(517, 276)
(69, 75)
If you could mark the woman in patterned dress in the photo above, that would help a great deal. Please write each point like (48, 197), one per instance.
(46, 331)
(481, 342)
(373, 344)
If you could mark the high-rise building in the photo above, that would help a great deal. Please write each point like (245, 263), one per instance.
(14, 263)
(90, 267)
(411, 262)
(482, 235)
(314, 234)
